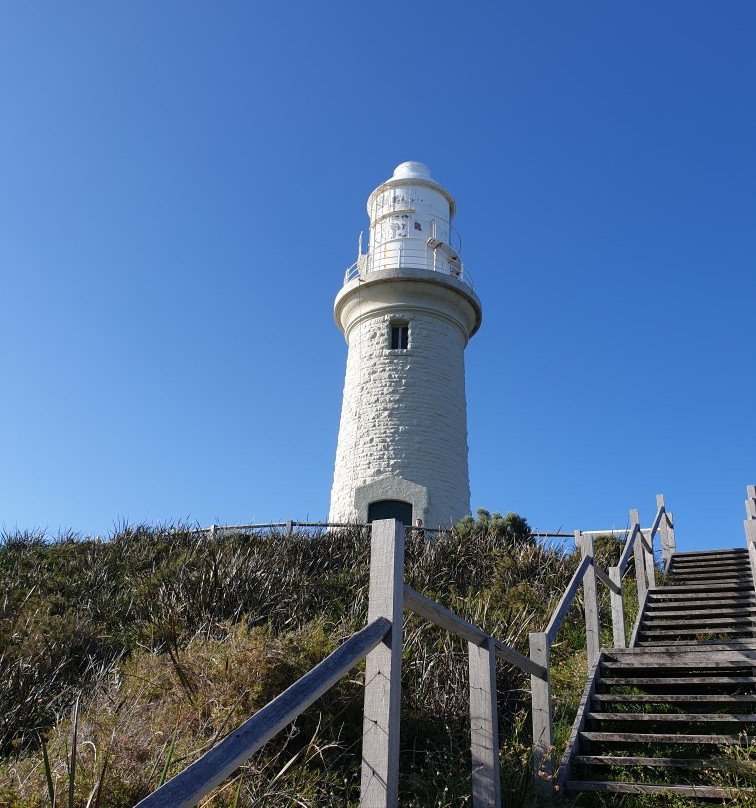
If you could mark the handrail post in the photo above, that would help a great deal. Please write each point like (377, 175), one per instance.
(289, 529)
(484, 725)
(750, 528)
(671, 532)
(543, 741)
(665, 533)
(618, 609)
(639, 555)
(383, 669)
(590, 599)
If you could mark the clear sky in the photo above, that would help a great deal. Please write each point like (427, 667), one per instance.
(182, 185)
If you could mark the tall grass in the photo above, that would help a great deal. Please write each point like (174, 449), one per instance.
(172, 639)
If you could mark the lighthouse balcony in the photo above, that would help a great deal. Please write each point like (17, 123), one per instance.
(435, 256)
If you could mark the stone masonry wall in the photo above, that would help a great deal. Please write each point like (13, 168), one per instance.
(404, 414)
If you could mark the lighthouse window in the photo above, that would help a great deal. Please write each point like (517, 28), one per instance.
(399, 336)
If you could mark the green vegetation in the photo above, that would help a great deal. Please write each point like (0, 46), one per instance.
(121, 661)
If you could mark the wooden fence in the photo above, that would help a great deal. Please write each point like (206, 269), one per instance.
(380, 644)
(639, 544)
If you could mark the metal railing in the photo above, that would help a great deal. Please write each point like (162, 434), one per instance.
(404, 256)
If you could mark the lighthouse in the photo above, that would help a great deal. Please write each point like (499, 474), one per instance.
(407, 310)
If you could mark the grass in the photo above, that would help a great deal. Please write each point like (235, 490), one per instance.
(166, 640)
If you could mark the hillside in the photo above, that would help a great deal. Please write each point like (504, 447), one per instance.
(158, 642)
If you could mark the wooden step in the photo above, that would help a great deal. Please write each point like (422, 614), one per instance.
(694, 620)
(692, 631)
(744, 611)
(707, 569)
(647, 645)
(709, 588)
(699, 662)
(711, 575)
(642, 681)
(674, 698)
(680, 593)
(651, 762)
(691, 718)
(734, 551)
(661, 737)
(614, 787)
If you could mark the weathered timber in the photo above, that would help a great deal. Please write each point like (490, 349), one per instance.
(443, 618)
(484, 726)
(513, 657)
(618, 608)
(564, 603)
(650, 762)
(616, 787)
(383, 669)
(590, 601)
(541, 715)
(662, 737)
(201, 777)
(646, 681)
(672, 718)
(674, 698)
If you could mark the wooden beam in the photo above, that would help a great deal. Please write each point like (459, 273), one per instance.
(484, 726)
(202, 776)
(590, 601)
(639, 553)
(628, 549)
(657, 521)
(569, 593)
(508, 654)
(543, 741)
(383, 669)
(618, 608)
(606, 579)
(437, 614)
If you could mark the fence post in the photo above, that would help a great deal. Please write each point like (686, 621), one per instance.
(484, 726)
(750, 528)
(383, 669)
(590, 599)
(618, 609)
(540, 689)
(212, 531)
(289, 529)
(639, 555)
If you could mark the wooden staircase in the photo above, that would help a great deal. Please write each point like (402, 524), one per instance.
(657, 717)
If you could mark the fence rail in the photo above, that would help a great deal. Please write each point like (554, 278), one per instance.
(380, 644)
(639, 544)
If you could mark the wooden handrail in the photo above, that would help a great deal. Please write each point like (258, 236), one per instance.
(564, 602)
(605, 579)
(438, 615)
(625, 557)
(201, 777)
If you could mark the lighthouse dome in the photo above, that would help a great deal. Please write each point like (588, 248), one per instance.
(412, 170)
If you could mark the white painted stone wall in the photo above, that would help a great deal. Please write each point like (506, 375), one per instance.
(403, 432)
(404, 419)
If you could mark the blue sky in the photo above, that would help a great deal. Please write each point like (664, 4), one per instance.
(182, 185)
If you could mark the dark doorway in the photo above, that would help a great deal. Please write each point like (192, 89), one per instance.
(391, 509)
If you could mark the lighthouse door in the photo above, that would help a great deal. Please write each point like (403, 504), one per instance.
(391, 509)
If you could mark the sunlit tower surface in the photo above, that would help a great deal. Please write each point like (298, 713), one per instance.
(407, 310)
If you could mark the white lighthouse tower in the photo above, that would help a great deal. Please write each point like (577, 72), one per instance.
(407, 310)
